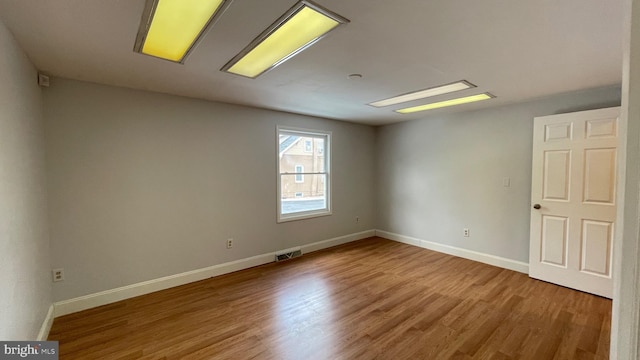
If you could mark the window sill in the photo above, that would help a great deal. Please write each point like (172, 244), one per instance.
(282, 218)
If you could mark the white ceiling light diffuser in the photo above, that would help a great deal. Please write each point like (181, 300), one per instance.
(452, 102)
(170, 29)
(426, 93)
(300, 27)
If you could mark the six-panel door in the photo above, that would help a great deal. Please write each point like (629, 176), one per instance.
(574, 182)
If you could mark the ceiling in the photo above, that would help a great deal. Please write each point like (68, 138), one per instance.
(517, 50)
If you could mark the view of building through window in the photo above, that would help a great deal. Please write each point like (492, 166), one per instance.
(303, 172)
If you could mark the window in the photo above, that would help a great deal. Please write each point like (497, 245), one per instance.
(299, 174)
(303, 174)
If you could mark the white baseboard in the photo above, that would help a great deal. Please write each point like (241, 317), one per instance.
(337, 241)
(110, 296)
(46, 325)
(505, 263)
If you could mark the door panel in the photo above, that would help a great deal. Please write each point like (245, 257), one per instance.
(602, 128)
(554, 240)
(596, 247)
(561, 131)
(599, 176)
(557, 167)
(574, 181)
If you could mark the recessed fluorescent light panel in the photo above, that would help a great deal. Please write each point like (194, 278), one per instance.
(170, 29)
(422, 94)
(452, 102)
(300, 27)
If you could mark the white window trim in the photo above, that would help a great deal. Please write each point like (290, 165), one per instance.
(327, 158)
(299, 173)
(310, 146)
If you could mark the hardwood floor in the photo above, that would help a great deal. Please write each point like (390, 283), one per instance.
(371, 299)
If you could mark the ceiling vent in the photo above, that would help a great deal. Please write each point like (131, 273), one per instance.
(43, 80)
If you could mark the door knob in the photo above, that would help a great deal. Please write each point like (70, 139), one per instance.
(537, 206)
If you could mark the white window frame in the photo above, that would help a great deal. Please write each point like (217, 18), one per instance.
(327, 183)
(310, 147)
(299, 174)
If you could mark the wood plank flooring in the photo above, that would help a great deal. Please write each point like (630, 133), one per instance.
(371, 299)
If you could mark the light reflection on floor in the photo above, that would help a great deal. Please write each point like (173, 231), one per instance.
(303, 317)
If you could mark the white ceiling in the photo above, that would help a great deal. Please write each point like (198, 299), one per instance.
(516, 50)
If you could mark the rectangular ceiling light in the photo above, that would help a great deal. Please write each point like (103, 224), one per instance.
(169, 29)
(300, 27)
(421, 94)
(452, 102)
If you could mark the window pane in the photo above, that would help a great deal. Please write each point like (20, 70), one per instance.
(299, 171)
(305, 151)
(298, 197)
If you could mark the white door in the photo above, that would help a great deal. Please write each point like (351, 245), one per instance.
(573, 197)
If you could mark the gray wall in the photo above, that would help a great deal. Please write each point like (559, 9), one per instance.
(24, 241)
(441, 174)
(144, 185)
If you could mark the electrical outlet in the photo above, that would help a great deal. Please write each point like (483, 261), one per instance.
(58, 275)
(357, 219)
(229, 243)
(465, 232)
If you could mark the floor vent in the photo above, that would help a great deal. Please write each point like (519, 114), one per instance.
(288, 255)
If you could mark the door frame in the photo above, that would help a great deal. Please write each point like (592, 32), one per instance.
(625, 315)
